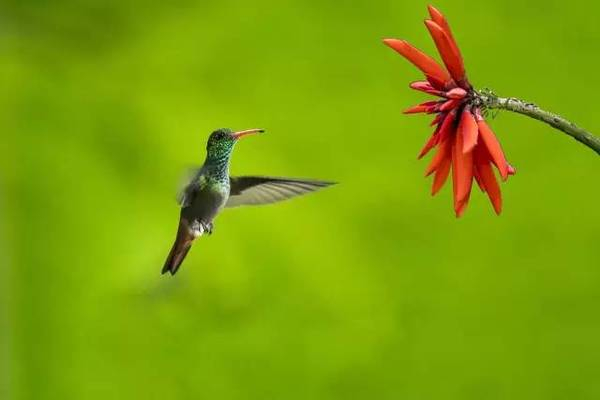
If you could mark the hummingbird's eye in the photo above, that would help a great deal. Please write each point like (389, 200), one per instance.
(219, 135)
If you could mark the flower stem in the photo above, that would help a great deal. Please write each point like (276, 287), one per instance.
(489, 100)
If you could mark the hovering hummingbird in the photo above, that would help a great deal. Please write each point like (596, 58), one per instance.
(211, 189)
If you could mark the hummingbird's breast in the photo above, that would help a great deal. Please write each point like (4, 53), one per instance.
(207, 203)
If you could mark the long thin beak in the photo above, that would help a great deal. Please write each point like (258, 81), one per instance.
(240, 134)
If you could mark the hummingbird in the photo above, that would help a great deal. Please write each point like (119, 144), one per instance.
(211, 189)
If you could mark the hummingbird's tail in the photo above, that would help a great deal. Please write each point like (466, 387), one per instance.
(183, 243)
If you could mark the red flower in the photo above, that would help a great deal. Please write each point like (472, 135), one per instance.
(464, 141)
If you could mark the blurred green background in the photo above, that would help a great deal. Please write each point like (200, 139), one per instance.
(368, 290)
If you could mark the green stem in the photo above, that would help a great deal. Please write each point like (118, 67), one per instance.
(487, 99)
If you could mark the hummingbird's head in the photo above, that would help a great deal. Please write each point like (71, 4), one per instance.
(221, 142)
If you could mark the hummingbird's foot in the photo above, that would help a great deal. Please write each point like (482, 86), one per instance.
(196, 229)
(208, 227)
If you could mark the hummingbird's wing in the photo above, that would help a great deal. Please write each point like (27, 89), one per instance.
(188, 186)
(255, 190)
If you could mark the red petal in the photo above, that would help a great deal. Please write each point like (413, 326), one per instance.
(462, 172)
(441, 133)
(442, 153)
(426, 87)
(468, 129)
(437, 119)
(439, 19)
(462, 206)
(423, 86)
(494, 148)
(437, 83)
(477, 176)
(441, 174)
(420, 108)
(419, 59)
(456, 93)
(450, 104)
(488, 179)
(447, 126)
(433, 140)
(450, 54)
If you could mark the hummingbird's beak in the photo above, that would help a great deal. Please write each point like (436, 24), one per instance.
(240, 134)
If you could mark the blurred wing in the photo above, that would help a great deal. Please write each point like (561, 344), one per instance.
(255, 190)
(188, 186)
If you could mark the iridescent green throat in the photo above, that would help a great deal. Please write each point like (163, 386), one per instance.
(216, 165)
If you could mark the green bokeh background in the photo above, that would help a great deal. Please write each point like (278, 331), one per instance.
(368, 290)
